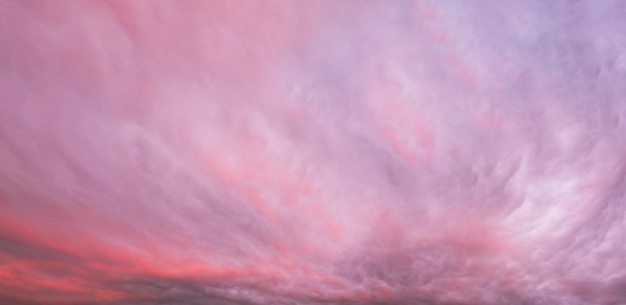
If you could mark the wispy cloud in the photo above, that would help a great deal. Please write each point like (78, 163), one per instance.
(312, 152)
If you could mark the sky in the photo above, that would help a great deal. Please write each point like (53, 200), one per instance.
(312, 152)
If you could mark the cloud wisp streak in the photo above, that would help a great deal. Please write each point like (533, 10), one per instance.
(312, 152)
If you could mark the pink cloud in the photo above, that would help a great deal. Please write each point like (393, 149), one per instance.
(318, 152)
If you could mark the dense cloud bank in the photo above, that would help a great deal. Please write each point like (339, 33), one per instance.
(312, 152)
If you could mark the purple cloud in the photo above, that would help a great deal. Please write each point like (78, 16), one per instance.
(312, 152)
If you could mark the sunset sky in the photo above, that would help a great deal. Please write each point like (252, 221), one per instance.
(313, 152)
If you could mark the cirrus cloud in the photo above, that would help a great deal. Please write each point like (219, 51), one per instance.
(318, 152)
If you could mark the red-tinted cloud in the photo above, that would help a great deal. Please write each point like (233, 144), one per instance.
(318, 152)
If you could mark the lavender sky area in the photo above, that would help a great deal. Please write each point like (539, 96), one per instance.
(313, 152)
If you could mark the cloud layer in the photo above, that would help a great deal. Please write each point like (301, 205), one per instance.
(312, 152)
